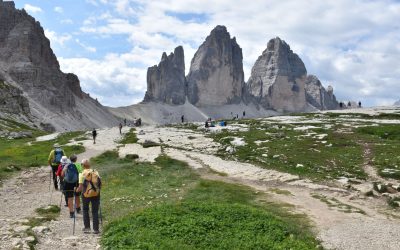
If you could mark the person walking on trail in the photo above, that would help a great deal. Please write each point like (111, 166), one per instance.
(125, 122)
(94, 134)
(183, 118)
(54, 160)
(90, 186)
(71, 176)
(120, 128)
(244, 114)
(64, 162)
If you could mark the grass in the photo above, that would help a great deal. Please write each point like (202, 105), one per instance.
(130, 137)
(335, 203)
(292, 151)
(166, 205)
(280, 191)
(18, 154)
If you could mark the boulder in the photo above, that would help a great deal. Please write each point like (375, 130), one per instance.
(216, 72)
(318, 96)
(277, 79)
(166, 82)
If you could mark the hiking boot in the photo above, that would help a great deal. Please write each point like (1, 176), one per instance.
(78, 210)
(86, 230)
(66, 205)
(96, 232)
(71, 214)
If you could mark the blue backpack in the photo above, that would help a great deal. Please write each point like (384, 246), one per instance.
(58, 154)
(71, 174)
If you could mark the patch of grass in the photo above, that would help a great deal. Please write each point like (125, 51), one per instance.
(165, 205)
(130, 137)
(335, 203)
(280, 191)
(19, 154)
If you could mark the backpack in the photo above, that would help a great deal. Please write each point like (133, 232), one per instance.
(71, 174)
(58, 154)
(91, 183)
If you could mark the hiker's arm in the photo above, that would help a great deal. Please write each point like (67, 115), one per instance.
(80, 187)
(51, 156)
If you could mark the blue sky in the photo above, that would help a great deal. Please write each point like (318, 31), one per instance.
(352, 45)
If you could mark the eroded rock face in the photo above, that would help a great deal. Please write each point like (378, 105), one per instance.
(277, 79)
(12, 100)
(166, 82)
(216, 72)
(318, 96)
(28, 63)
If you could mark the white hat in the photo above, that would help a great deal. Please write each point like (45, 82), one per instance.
(64, 160)
(56, 145)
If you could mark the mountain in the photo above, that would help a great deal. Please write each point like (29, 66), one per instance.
(318, 96)
(216, 72)
(30, 73)
(397, 103)
(166, 82)
(277, 79)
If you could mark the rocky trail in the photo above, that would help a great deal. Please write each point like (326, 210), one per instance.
(343, 218)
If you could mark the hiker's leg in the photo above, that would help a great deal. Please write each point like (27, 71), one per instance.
(85, 207)
(78, 201)
(71, 204)
(54, 170)
(95, 212)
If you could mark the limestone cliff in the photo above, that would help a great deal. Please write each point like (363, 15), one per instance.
(216, 72)
(28, 63)
(318, 96)
(277, 79)
(166, 82)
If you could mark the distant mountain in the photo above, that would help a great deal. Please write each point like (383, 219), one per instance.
(33, 88)
(397, 103)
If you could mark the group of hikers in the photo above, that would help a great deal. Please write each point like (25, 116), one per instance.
(77, 181)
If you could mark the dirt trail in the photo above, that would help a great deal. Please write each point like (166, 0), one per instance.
(24, 193)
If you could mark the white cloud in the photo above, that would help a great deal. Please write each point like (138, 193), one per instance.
(57, 39)
(67, 21)
(58, 9)
(32, 9)
(86, 47)
(353, 46)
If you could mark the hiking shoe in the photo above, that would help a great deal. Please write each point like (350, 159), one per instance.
(96, 232)
(78, 210)
(66, 205)
(86, 230)
(71, 214)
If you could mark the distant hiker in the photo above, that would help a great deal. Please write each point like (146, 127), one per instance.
(54, 160)
(64, 162)
(244, 113)
(183, 118)
(237, 116)
(94, 134)
(120, 128)
(125, 122)
(90, 186)
(341, 105)
(71, 175)
(206, 125)
(359, 104)
(349, 104)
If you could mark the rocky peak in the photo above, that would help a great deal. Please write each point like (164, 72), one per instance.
(318, 96)
(216, 72)
(277, 79)
(166, 82)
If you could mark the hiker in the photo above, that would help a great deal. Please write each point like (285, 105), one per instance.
(54, 160)
(206, 125)
(125, 122)
(359, 104)
(349, 104)
(64, 162)
(90, 186)
(94, 134)
(341, 105)
(120, 128)
(70, 174)
(244, 114)
(183, 118)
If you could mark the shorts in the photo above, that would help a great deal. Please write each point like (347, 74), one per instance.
(69, 190)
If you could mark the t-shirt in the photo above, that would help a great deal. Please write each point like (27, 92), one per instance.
(79, 167)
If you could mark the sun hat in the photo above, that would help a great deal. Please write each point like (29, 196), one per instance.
(56, 145)
(64, 160)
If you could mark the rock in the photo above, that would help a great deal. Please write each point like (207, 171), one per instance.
(391, 190)
(21, 229)
(230, 149)
(40, 229)
(278, 78)
(166, 82)
(29, 239)
(317, 96)
(31, 82)
(216, 72)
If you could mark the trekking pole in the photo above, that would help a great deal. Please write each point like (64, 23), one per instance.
(51, 192)
(74, 202)
(62, 192)
(101, 215)
(50, 179)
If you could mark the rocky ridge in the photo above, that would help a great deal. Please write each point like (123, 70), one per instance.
(46, 96)
(278, 80)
